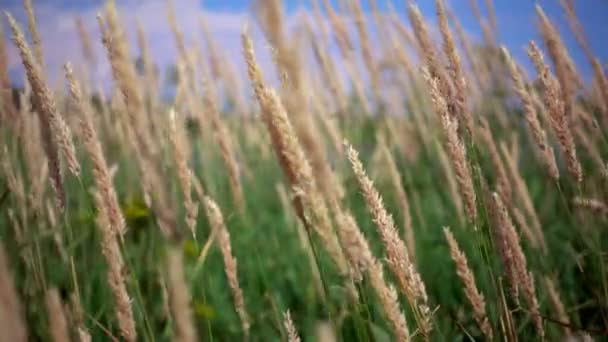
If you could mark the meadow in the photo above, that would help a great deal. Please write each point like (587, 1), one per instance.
(414, 185)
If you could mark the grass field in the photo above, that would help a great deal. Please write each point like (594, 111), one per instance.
(428, 188)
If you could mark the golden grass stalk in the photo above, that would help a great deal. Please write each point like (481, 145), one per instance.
(116, 271)
(362, 261)
(404, 202)
(12, 324)
(58, 324)
(123, 72)
(502, 181)
(557, 304)
(93, 147)
(555, 105)
(292, 332)
(523, 195)
(366, 49)
(53, 129)
(397, 256)
(467, 278)
(451, 180)
(7, 108)
(454, 70)
(77, 319)
(216, 220)
(565, 68)
(225, 142)
(86, 43)
(293, 161)
(540, 138)
(595, 205)
(184, 174)
(515, 261)
(36, 41)
(455, 147)
(429, 55)
(147, 62)
(179, 297)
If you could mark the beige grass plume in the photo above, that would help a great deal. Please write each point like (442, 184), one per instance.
(36, 41)
(515, 261)
(429, 55)
(12, 324)
(216, 220)
(116, 272)
(397, 256)
(184, 174)
(565, 69)
(556, 107)
(58, 324)
(7, 108)
(93, 147)
(53, 129)
(454, 146)
(404, 202)
(540, 138)
(225, 142)
(179, 297)
(557, 304)
(85, 41)
(467, 278)
(362, 261)
(293, 161)
(455, 69)
(292, 332)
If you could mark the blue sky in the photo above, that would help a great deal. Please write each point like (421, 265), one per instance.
(516, 24)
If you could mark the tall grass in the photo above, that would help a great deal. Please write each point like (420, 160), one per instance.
(208, 217)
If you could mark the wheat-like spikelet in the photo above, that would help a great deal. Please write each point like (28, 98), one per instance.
(116, 271)
(397, 256)
(362, 261)
(455, 148)
(93, 147)
(293, 161)
(86, 43)
(77, 319)
(465, 274)
(502, 181)
(36, 41)
(179, 297)
(225, 142)
(523, 195)
(51, 124)
(124, 74)
(593, 204)
(184, 174)
(340, 30)
(366, 48)
(540, 138)
(565, 68)
(404, 202)
(451, 180)
(12, 324)
(455, 69)
(147, 63)
(7, 109)
(429, 55)
(519, 276)
(557, 304)
(230, 263)
(292, 332)
(58, 324)
(554, 103)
